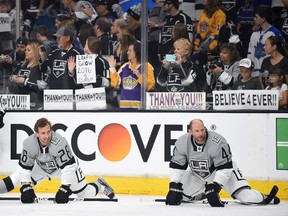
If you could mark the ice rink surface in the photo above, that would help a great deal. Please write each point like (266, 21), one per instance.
(136, 206)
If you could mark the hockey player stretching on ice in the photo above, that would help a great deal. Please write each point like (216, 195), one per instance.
(211, 168)
(47, 154)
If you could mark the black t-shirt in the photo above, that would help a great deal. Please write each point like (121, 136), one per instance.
(266, 65)
(252, 84)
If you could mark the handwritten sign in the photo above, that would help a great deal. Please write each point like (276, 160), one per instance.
(176, 101)
(90, 98)
(85, 69)
(58, 99)
(245, 99)
(5, 25)
(15, 102)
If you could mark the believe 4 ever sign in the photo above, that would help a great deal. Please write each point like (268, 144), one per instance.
(245, 100)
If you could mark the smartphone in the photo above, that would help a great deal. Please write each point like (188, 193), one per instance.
(170, 58)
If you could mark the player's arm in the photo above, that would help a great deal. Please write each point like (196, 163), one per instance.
(178, 165)
(26, 163)
(222, 160)
(67, 164)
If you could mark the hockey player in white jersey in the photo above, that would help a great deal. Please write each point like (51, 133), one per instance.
(211, 168)
(2, 113)
(46, 154)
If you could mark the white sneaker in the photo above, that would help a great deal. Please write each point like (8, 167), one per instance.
(108, 191)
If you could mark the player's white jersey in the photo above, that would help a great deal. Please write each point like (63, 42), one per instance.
(51, 158)
(215, 154)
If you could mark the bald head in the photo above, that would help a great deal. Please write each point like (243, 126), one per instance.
(198, 131)
(196, 122)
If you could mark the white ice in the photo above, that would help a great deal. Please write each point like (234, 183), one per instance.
(135, 206)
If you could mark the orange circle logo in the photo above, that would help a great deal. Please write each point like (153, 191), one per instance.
(114, 142)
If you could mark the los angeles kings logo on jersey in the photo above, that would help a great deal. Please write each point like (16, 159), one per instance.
(200, 168)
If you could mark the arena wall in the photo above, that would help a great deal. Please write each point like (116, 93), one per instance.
(132, 149)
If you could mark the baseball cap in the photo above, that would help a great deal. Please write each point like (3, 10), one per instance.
(64, 32)
(22, 40)
(135, 12)
(247, 63)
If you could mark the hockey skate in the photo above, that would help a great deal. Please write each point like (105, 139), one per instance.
(108, 191)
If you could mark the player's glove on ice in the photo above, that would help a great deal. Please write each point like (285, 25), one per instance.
(212, 192)
(62, 195)
(27, 194)
(174, 195)
(2, 113)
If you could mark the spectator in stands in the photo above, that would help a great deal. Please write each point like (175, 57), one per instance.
(175, 16)
(277, 82)
(231, 9)
(116, 8)
(56, 63)
(156, 17)
(104, 9)
(81, 11)
(126, 38)
(263, 19)
(6, 39)
(60, 18)
(114, 42)
(27, 77)
(245, 20)
(102, 29)
(222, 74)
(129, 78)
(180, 74)
(9, 62)
(13, 17)
(133, 20)
(18, 55)
(44, 36)
(30, 9)
(281, 21)
(229, 30)
(179, 30)
(69, 24)
(93, 46)
(207, 30)
(276, 56)
(85, 31)
(247, 81)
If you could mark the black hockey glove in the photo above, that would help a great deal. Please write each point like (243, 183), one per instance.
(62, 195)
(2, 113)
(212, 192)
(27, 194)
(174, 195)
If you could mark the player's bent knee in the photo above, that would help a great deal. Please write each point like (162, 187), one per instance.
(249, 196)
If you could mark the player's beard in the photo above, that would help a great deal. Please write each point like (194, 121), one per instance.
(46, 141)
(200, 139)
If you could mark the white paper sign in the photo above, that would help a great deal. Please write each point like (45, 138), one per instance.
(15, 102)
(5, 25)
(90, 98)
(176, 100)
(85, 69)
(58, 99)
(245, 100)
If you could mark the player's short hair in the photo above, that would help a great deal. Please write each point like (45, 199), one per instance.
(40, 123)
(194, 120)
